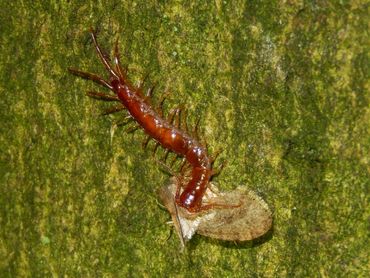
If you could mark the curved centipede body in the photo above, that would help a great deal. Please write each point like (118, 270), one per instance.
(163, 131)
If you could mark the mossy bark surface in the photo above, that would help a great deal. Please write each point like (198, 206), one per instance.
(282, 88)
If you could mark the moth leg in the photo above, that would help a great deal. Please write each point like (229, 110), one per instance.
(217, 206)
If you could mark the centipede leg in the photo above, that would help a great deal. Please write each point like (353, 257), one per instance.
(122, 73)
(91, 76)
(170, 171)
(141, 83)
(165, 155)
(172, 115)
(155, 148)
(174, 160)
(178, 117)
(132, 129)
(146, 142)
(124, 121)
(101, 96)
(195, 131)
(160, 107)
(215, 156)
(184, 119)
(205, 144)
(219, 169)
(113, 109)
(149, 94)
(182, 167)
(178, 190)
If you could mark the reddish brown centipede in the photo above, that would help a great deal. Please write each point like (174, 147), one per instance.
(163, 131)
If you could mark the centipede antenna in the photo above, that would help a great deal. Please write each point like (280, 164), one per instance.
(101, 96)
(91, 76)
(113, 109)
(103, 59)
(106, 56)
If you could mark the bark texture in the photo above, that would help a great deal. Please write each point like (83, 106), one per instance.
(281, 87)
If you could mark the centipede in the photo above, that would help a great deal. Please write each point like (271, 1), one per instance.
(172, 136)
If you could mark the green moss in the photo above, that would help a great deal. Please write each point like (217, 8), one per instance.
(282, 88)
